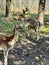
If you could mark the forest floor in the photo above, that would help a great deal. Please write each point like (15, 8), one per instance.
(27, 54)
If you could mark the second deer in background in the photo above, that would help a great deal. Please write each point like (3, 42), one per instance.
(32, 24)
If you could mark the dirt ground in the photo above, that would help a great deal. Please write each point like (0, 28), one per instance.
(28, 54)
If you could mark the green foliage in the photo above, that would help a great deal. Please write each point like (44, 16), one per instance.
(7, 26)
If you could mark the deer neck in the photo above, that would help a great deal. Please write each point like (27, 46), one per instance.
(14, 40)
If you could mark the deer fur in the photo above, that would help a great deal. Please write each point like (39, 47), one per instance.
(32, 24)
(7, 43)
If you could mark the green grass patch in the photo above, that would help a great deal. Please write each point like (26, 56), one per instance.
(8, 26)
(46, 17)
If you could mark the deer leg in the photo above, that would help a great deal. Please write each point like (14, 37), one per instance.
(5, 57)
(28, 33)
(37, 32)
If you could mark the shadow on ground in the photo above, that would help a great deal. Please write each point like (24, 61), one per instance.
(30, 55)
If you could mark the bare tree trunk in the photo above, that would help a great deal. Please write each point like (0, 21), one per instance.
(41, 11)
(20, 3)
(8, 2)
(30, 5)
(1, 1)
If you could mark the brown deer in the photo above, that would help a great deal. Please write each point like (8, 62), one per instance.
(32, 24)
(7, 43)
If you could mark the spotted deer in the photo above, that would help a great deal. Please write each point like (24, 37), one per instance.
(7, 43)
